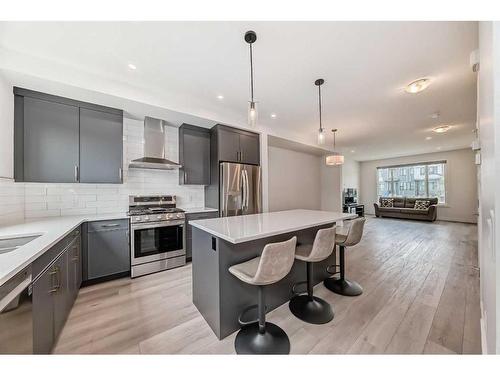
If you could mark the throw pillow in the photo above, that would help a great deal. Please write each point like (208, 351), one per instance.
(421, 204)
(387, 202)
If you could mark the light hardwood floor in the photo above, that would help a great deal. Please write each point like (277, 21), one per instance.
(421, 295)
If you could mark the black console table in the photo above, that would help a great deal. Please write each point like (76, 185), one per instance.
(358, 209)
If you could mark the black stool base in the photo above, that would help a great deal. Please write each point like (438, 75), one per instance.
(273, 341)
(343, 287)
(315, 310)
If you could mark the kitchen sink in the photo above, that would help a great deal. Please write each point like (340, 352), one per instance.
(12, 243)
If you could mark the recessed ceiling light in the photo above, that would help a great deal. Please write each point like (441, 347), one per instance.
(353, 151)
(132, 66)
(273, 115)
(220, 97)
(438, 148)
(441, 129)
(418, 85)
(428, 138)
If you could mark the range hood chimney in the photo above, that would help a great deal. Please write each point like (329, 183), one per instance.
(154, 147)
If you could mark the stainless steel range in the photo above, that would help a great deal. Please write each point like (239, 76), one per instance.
(156, 234)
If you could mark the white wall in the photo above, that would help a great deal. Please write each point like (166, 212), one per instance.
(6, 128)
(11, 195)
(461, 183)
(351, 174)
(294, 180)
(331, 189)
(489, 123)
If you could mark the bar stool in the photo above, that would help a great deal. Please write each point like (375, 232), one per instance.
(308, 307)
(259, 336)
(341, 285)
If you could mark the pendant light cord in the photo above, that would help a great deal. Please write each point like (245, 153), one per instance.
(251, 72)
(319, 99)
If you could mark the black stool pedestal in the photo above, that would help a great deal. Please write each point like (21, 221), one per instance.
(261, 337)
(309, 308)
(340, 285)
(273, 340)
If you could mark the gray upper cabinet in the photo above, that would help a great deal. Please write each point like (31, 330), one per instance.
(50, 150)
(236, 145)
(249, 148)
(228, 141)
(58, 139)
(194, 155)
(101, 146)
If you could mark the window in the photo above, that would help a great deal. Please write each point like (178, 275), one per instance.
(413, 181)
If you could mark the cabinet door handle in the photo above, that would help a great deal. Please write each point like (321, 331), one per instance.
(110, 225)
(76, 173)
(185, 176)
(120, 174)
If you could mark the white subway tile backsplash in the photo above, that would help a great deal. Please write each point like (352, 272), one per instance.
(32, 200)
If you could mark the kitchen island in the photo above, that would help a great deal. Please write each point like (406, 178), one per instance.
(220, 243)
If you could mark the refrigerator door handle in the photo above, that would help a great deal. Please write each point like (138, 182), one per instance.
(247, 190)
(244, 190)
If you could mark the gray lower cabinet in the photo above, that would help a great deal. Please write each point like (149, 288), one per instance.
(43, 312)
(50, 148)
(107, 248)
(189, 229)
(75, 268)
(54, 291)
(194, 155)
(101, 146)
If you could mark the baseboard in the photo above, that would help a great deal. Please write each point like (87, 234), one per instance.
(452, 220)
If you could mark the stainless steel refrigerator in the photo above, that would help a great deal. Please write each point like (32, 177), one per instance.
(240, 189)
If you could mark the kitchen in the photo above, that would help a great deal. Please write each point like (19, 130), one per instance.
(203, 217)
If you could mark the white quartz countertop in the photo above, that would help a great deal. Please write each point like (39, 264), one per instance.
(51, 230)
(237, 229)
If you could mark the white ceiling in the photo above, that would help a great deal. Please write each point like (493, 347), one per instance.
(183, 66)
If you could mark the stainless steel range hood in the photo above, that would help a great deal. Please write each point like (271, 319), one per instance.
(154, 147)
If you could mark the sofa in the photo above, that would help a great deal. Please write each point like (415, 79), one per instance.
(403, 208)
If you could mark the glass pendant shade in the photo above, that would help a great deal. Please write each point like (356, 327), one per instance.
(252, 113)
(321, 137)
(335, 159)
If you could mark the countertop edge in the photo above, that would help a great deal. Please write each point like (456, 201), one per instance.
(78, 221)
(268, 234)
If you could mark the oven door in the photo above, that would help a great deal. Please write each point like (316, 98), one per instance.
(155, 241)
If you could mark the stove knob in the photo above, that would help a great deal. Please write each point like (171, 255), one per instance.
(179, 216)
(159, 217)
(137, 218)
(169, 216)
(146, 218)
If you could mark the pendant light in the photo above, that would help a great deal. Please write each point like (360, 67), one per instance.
(335, 158)
(250, 38)
(321, 131)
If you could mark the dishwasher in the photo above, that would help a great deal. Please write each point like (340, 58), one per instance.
(16, 314)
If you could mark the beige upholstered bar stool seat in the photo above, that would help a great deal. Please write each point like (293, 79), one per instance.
(261, 337)
(308, 307)
(341, 285)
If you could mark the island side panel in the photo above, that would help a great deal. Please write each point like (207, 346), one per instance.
(205, 275)
(236, 295)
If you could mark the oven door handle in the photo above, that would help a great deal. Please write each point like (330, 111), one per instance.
(178, 223)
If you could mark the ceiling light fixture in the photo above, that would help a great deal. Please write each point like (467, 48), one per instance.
(418, 85)
(428, 138)
(273, 115)
(250, 38)
(132, 66)
(321, 132)
(441, 129)
(335, 158)
(220, 97)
